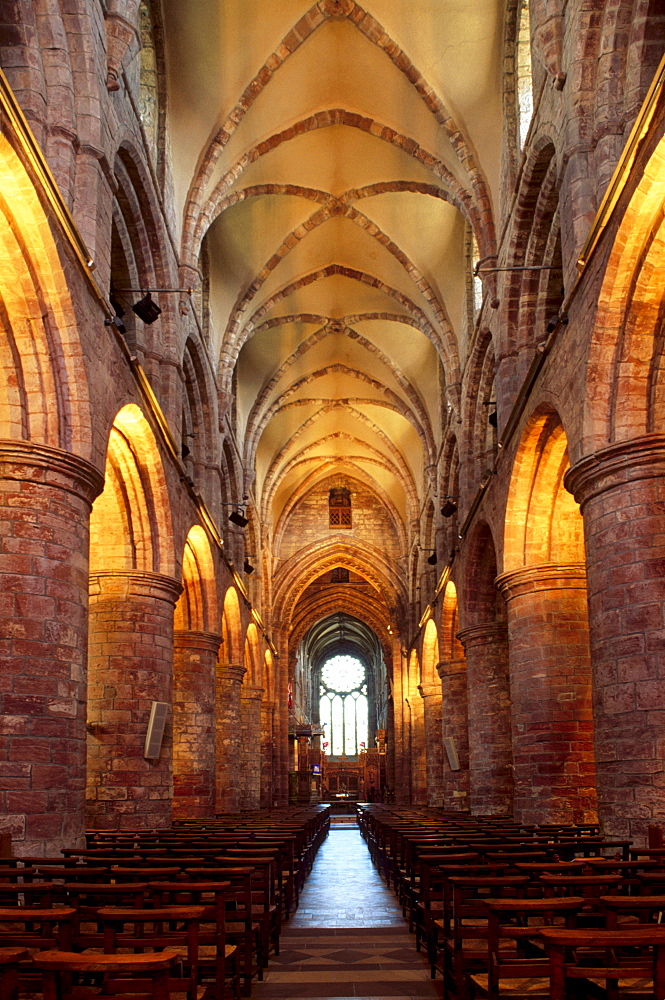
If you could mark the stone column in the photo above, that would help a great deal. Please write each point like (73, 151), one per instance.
(130, 666)
(267, 763)
(418, 754)
(490, 754)
(431, 695)
(45, 497)
(455, 725)
(227, 739)
(621, 492)
(194, 723)
(550, 688)
(250, 748)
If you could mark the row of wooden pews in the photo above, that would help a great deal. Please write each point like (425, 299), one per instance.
(509, 911)
(213, 896)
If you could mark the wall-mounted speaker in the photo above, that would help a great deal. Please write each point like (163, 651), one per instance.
(155, 733)
(451, 751)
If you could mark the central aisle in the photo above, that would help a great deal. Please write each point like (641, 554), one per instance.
(348, 937)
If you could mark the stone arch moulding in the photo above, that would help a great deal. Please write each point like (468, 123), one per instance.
(232, 628)
(45, 396)
(197, 609)
(130, 526)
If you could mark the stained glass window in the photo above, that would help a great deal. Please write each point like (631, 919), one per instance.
(343, 705)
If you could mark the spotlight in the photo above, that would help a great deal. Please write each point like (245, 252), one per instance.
(237, 517)
(247, 566)
(493, 419)
(146, 309)
(449, 508)
(432, 559)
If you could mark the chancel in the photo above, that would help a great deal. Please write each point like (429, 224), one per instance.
(332, 417)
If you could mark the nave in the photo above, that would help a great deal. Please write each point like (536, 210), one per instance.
(348, 937)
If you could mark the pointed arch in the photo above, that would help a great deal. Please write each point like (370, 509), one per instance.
(131, 525)
(196, 609)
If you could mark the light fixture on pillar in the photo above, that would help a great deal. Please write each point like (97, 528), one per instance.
(247, 566)
(237, 517)
(432, 560)
(449, 507)
(146, 309)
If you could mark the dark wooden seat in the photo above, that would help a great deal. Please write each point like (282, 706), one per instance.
(10, 960)
(516, 968)
(138, 975)
(595, 955)
(172, 927)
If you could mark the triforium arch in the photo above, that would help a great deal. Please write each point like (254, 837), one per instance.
(544, 585)
(197, 640)
(132, 597)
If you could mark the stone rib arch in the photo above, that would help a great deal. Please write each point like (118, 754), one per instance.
(392, 401)
(304, 229)
(400, 465)
(232, 650)
(375, 32)
(444, 345)
(461, 198)
(332, 327)
(298, 572)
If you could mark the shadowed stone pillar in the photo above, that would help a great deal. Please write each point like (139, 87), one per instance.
(488, 697)
(431, 695)
(195, 655)
(267, 763)
(418, 753)
(130, 666)
(455, 725)
(621, 492)
(250, 747)
(227, 742)
(45, 500)
(550, 686)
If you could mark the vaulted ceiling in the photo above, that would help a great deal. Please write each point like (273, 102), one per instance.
(333, 161)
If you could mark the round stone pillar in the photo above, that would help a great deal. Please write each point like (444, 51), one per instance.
(195, 660)
(455, 727)
(130, 650)
(550, 686)
(267, 762)
(621, 492)
(45, 498)
(250, 747)
(418, 754)
(488, 695)
(431, 695)
(227, 742)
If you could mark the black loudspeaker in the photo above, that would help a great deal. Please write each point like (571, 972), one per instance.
(155, 733)
(451, 751)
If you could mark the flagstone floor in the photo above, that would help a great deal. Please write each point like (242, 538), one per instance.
(348, 937)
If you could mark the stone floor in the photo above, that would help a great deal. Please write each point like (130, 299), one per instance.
(348, 937)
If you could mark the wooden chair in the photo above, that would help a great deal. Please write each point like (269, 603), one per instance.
(10, 959)
(593, 955)
(241, 927)
(36, 927)
(218, 960)
(142, 976)
(87, 898)
(172, 927)
(521, 970)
